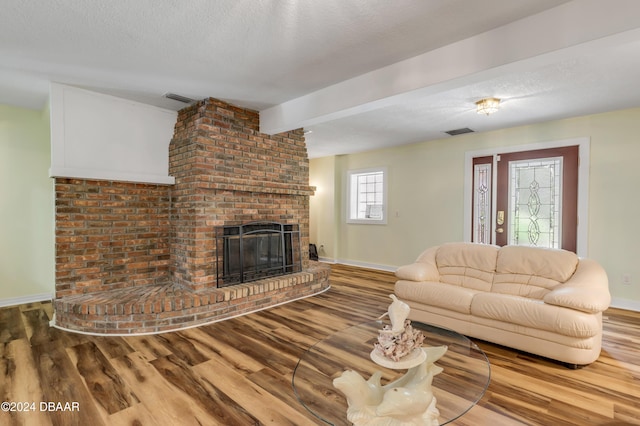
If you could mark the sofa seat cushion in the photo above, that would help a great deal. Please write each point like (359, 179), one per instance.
(535, 314)
(517, 335)
(467, 265)
(454, 298)
(532, 272)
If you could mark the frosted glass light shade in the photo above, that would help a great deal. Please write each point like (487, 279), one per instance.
(488, 106)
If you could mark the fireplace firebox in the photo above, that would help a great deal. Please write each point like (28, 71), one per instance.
(256, 250)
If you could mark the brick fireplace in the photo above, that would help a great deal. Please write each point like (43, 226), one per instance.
(142, 258)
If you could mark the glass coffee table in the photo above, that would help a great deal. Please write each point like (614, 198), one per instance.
(457, 389)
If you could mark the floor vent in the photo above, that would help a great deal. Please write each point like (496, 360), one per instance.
(459, 131)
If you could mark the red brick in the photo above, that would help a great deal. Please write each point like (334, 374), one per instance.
(112, 235)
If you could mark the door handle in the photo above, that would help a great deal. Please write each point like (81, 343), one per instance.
(500, 218)
(499, 230)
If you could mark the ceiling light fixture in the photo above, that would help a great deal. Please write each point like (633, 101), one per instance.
(488, 106)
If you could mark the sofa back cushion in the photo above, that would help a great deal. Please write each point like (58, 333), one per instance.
(467, 265)
(532, 271)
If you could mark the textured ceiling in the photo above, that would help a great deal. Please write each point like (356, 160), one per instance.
(340, 68)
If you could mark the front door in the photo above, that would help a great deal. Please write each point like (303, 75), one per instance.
(536, 199)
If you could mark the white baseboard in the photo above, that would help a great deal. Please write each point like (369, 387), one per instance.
(629, 305)
(386, 268)
(22, 300)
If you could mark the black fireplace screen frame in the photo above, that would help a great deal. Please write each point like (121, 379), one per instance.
(256, 250)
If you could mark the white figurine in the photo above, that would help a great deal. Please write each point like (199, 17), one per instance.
(406, 401)
(398, 312)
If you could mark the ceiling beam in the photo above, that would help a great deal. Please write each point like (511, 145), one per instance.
(570, 30)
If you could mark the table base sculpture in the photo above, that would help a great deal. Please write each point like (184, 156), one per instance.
(406, 401)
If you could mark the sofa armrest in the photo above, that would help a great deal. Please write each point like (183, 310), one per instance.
(587, 290)
(423, 269)
(418, 272)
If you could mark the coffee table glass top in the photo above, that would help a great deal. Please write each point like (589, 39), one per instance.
(458, 388)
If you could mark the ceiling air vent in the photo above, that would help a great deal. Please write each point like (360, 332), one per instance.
(459, 131)
(179, 98)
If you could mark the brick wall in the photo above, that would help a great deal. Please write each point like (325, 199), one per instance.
(140, 258)
(228, 173)
(110, 235)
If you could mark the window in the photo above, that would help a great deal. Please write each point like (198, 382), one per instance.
(367, 195)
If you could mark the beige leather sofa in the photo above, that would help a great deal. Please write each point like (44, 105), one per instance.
(542, 301)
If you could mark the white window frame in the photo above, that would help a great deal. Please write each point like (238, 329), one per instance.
(352, 196)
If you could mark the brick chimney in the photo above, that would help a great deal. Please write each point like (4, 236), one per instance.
(228, 173)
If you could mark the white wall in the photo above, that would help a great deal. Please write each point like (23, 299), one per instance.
(96, 136)
(26, 207)
(426, 197)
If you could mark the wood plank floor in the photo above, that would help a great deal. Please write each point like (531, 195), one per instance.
(238, 372)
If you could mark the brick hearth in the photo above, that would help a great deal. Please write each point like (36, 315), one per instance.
(141, 258)
(167, 307)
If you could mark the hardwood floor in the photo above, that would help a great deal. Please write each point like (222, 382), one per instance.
(238, 372)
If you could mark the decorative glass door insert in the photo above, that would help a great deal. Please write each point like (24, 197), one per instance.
(482, 191)
(535, 202)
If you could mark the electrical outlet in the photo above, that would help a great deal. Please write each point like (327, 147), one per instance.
(626, 279)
